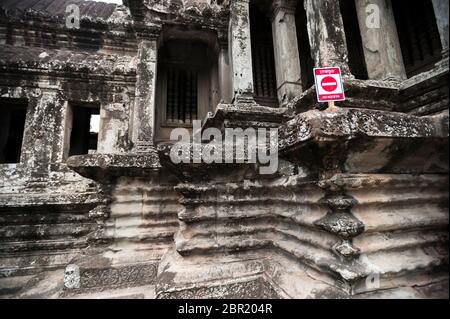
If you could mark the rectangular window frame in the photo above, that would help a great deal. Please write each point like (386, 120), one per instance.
(71, 106)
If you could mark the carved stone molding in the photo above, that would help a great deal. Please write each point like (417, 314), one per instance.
(254, 289)
(115, 277)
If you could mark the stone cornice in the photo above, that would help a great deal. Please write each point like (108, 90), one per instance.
(147, 32)
(239, 1)
(287, 6)
(65, 63)
(106, 167)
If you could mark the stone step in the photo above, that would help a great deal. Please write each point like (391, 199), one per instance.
(37, 218)
(10, 247)
(142, 292)
(142, 223)
(13, 285)
(45, 231)
(32, 262)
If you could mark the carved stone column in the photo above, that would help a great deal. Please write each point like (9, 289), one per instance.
(43, 136)
(287, 62)
(241, 51)
(113, 135)
(326, 34)
(441, 12)
(379, 36)
(226, 94)
(144, 106)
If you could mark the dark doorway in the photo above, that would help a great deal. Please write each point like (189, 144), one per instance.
(12, 124)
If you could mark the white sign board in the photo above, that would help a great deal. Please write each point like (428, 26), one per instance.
(329, 85)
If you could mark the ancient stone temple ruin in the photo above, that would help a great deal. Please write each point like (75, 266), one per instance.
(92, 203)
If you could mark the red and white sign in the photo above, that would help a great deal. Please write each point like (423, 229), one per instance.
(329, 85)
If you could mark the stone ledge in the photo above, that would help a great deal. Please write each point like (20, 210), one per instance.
(104, 167)
(370, 94)
(66, 63)
(422, 94)
(350, 123)
(252, 289)
(47, 201)
(362, 141)
(241, 115)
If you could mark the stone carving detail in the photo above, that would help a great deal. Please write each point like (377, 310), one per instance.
(255, 289)
(340, 221)
(190, 10)
(72, 277)
(136, 275)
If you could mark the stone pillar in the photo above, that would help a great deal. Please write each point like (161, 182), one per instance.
(441, 13)
(326, 34)
(113, 134)
(43, 138)
(382, 51)
(241, 51)
(144, 105)
(226, 91)
(287, 61)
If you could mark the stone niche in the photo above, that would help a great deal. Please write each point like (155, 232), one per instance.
(187, 86)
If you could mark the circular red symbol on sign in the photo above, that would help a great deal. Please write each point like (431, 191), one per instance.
(329, 84)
